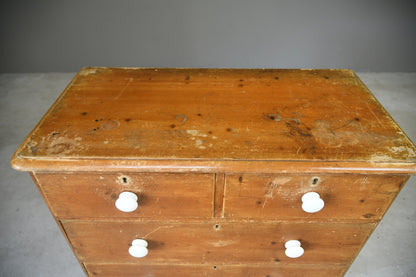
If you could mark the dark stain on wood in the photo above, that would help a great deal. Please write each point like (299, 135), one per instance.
(338, 122)
(369, 215)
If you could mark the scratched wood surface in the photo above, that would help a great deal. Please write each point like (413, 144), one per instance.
(278, 196)
(110, 116)
(160, 195)
(214, 242)
(131, 270)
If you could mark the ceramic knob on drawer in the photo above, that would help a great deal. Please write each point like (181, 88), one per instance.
(138, 248)
(127, 202)
(293, 249)
(312, 202)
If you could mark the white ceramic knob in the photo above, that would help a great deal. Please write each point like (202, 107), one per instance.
(312, 202)
(293, 249)
(127, 202)
(138, 248)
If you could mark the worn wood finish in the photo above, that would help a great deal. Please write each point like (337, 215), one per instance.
(161, 195)
(214, 114)
(220, 159)
(131, 270)
(278, 196)
(293, 167)
(216, 242)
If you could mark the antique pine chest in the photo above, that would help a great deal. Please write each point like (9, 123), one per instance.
(217, 172)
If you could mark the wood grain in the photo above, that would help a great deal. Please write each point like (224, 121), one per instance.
(219, 195)
(61, 228)
(216, 242)
(207, 166)
(110, 115)
(219, 159)
(163, 195)
(278, 196)
(132, 270)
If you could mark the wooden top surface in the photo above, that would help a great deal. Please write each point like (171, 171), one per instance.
(216, 119)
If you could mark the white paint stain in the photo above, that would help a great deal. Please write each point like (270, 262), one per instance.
(380, 157)
(222, 243)
(272, 186)
(88, 71)
(195, 135)
(193, 132)
(406, 151)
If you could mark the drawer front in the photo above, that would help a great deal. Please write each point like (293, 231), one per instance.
(131, 270)
(225, 243)
(159, 195)
(346, 197)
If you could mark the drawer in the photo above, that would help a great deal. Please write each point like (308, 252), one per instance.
(345, 197)
(211, 242)
(131, 270)
(161, 195)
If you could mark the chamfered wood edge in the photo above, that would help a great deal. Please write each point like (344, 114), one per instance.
(212, 166)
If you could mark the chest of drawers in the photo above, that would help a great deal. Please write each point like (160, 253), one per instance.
(217, 172)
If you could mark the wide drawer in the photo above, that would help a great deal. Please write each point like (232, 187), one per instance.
(161, 195)
(215, 242)
(132, 270)
(346, 197)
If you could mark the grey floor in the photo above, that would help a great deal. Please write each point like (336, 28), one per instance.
(31, 243)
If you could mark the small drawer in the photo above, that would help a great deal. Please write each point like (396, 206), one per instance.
(132, 270)
(336, 197)
(162, 195)
(216, 242)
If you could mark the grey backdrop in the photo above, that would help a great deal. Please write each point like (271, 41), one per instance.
(63, 36)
